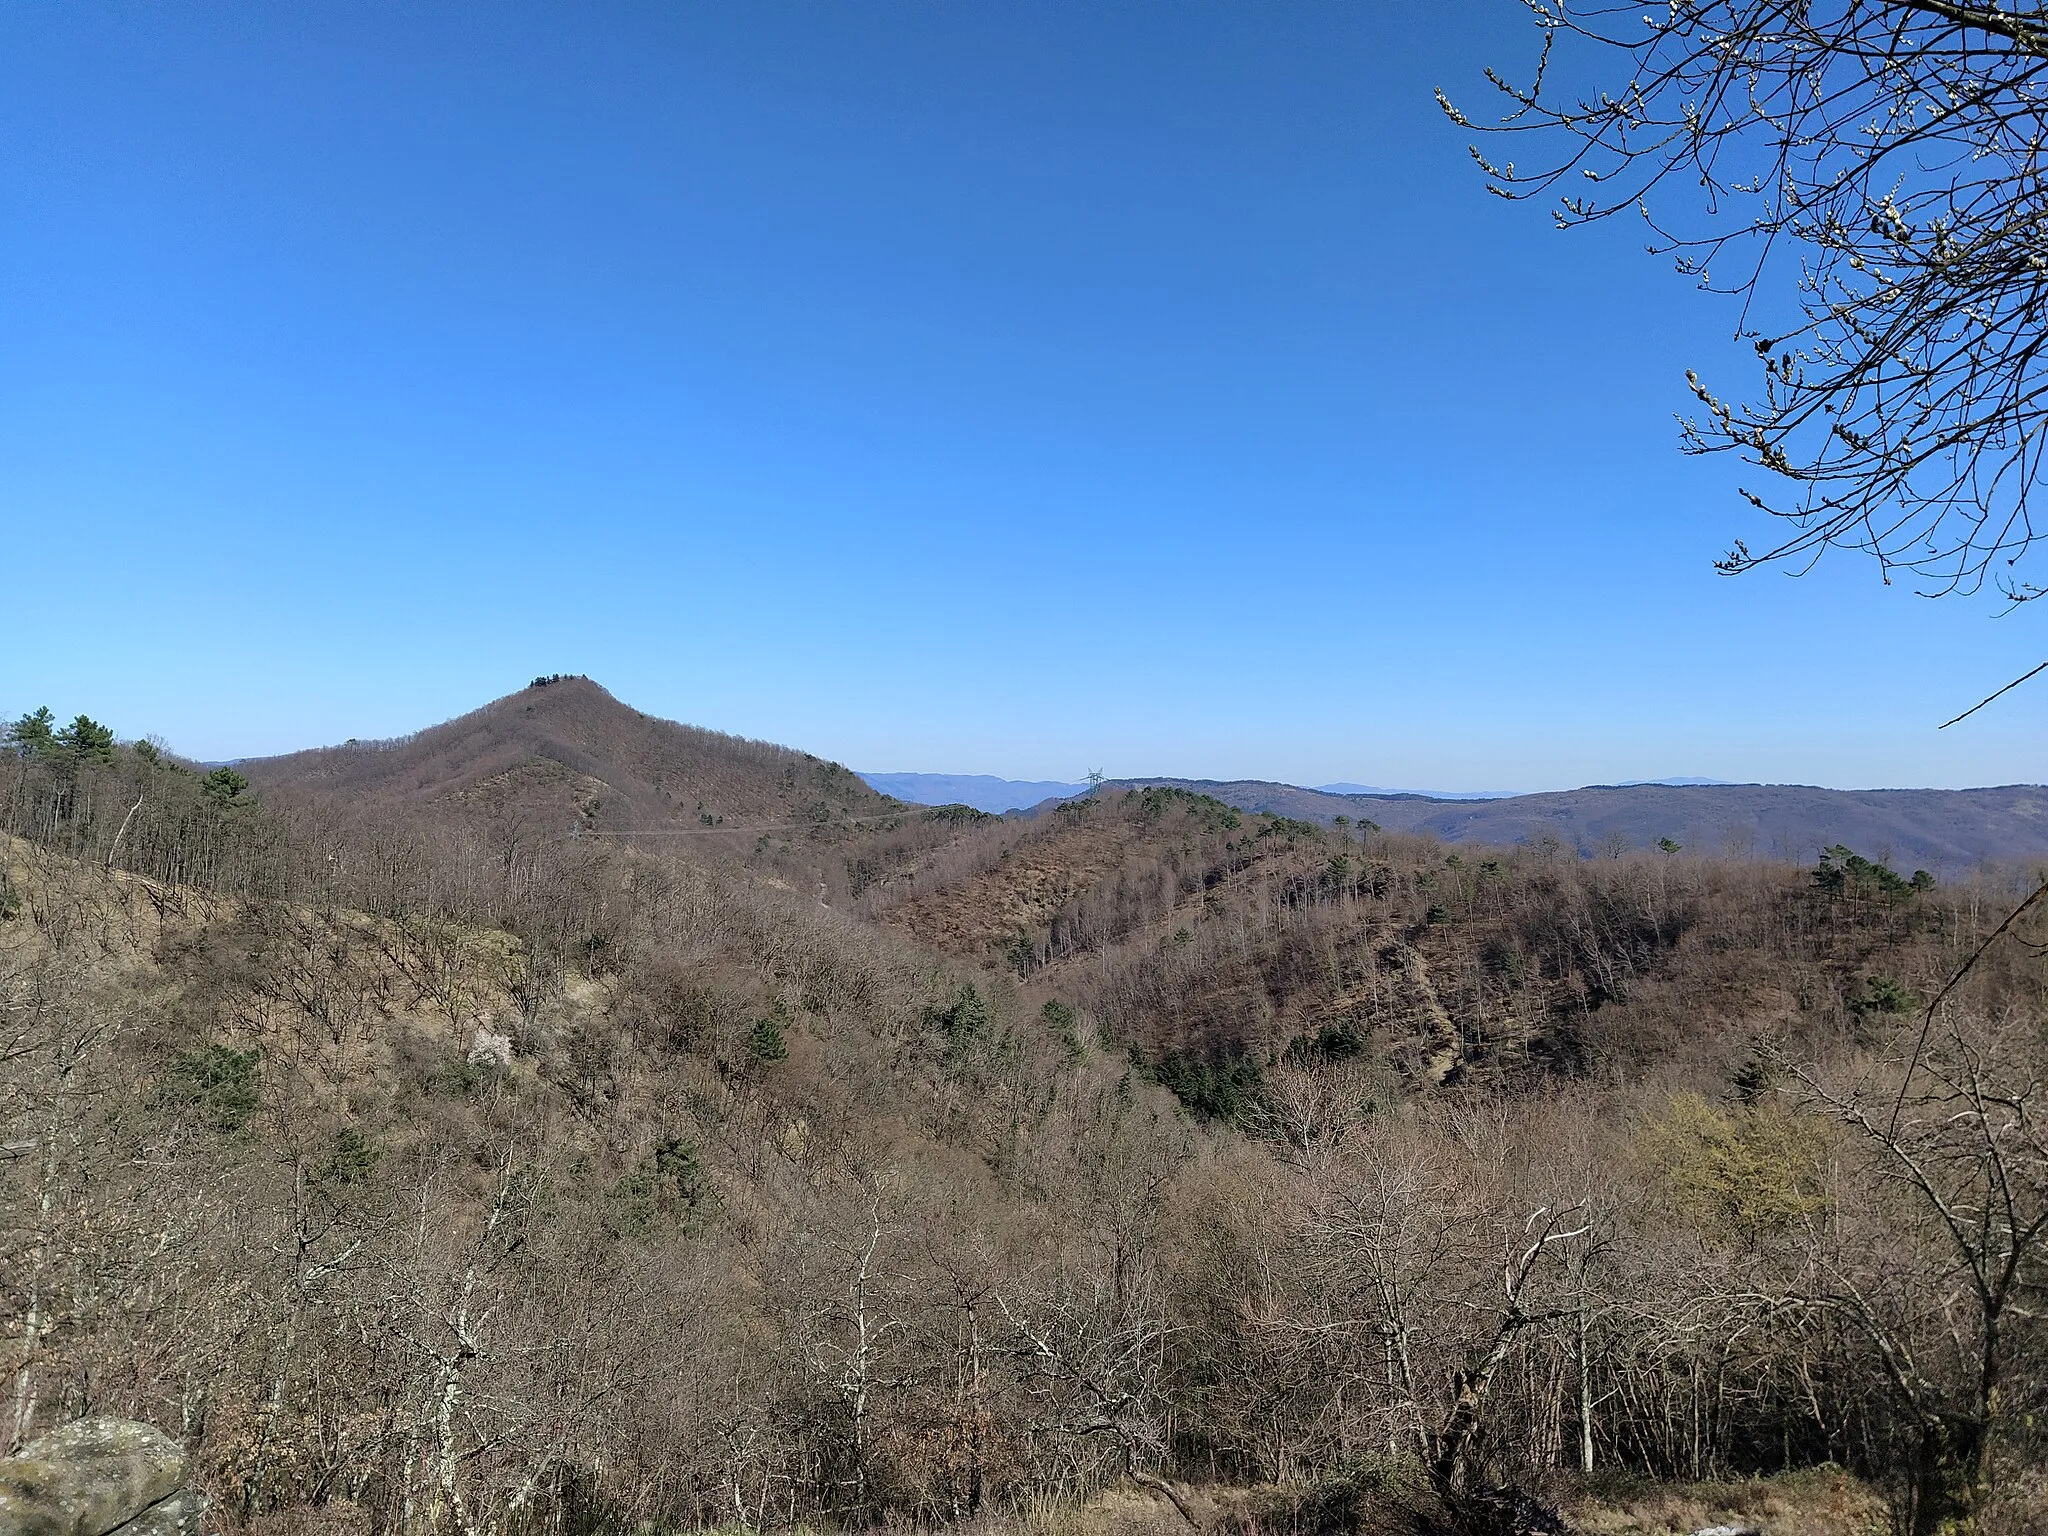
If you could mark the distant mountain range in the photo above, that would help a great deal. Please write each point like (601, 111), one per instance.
(1480, 794)
(983, 791)
(988, 792)
(1428, 794)
(1946, 831)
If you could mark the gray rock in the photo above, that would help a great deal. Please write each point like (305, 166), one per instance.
(89, 1478)
(176, 1516)
(490, 1050)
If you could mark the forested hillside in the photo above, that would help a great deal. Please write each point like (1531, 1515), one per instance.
(1189, 928)
(1145, 1165)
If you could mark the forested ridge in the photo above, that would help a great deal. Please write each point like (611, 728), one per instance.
(437, 1156)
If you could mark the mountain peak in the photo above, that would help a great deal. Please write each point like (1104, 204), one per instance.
(564, 750)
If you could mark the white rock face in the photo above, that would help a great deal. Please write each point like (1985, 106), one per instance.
(489, 1050)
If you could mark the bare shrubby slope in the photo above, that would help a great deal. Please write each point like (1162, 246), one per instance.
(427, 1177)
(1185, 927)
(751, 1171)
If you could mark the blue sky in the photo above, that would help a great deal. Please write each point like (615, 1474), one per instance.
(1012, 388)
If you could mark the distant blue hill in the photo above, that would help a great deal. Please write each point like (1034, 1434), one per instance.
(983, 791)
(987, 792)
(1426, 794)
(1487, 794)
(1949, 832)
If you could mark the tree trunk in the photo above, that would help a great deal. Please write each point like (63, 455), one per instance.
(1950, 1476)
(1585, 1398)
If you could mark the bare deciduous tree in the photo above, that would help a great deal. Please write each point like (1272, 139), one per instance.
(1866, 178)
(1946, 1292)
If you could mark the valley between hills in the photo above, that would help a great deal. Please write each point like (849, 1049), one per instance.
(565, 1120)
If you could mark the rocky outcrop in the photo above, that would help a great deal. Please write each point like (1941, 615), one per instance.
(99, 1477)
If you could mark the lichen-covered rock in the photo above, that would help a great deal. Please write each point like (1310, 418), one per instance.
(490, 1050)
(176, 1516)
(89, 1478)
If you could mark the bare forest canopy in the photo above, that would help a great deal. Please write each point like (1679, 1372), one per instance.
(565, 1121)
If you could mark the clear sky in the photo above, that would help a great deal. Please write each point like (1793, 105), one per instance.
(1017, 388)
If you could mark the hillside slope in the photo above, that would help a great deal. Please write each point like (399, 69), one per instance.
(568, 754)
(1188, 929)
(694, 1194)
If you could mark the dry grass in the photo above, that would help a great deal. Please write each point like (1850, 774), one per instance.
(1821, 1502)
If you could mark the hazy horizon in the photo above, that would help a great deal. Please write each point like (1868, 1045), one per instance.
(1335, 785)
